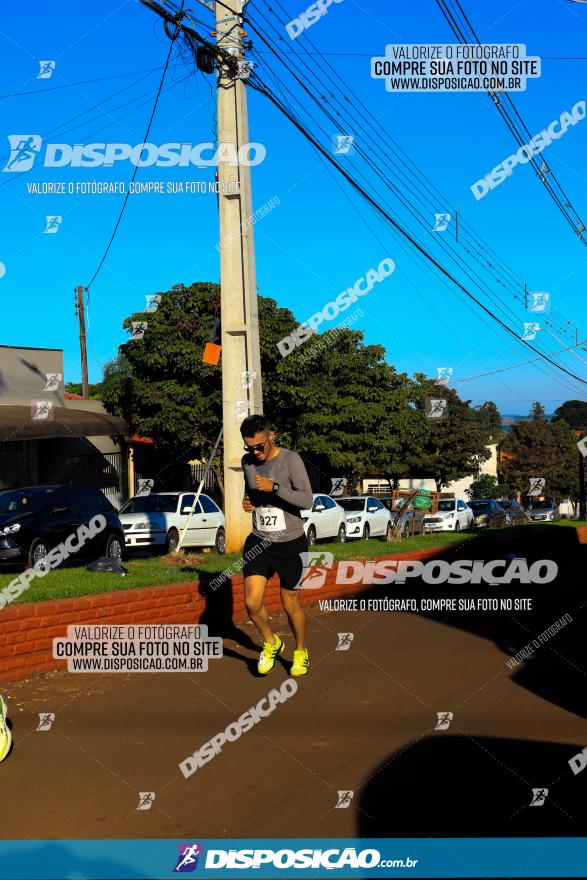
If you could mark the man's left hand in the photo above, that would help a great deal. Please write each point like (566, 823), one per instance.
(264, 484)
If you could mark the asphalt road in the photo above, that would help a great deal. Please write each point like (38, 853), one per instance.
(362, 721)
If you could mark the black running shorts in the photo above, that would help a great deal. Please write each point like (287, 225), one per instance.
(281, 557)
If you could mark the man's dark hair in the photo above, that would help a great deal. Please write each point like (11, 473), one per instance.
(255, 425)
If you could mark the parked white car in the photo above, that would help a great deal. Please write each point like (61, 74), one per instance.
(453, 515)
(326, 519)
(366, 517)
(158, 519)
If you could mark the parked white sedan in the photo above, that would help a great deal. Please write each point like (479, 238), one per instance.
(158, 519)
(453, 515)
(366, 517)
(326, 519)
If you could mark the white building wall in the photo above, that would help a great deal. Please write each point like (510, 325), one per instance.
(458, 487)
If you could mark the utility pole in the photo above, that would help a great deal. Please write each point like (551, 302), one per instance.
(241, 362)
(80, 312)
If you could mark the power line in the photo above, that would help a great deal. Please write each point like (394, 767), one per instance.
(255, 83)
(324, 100)
(124, 203)
(83, 82)
(518, 129)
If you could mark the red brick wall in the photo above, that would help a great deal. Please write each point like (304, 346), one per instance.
(27, 631)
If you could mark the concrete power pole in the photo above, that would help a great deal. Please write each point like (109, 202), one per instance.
(241, 363)
(80, 312)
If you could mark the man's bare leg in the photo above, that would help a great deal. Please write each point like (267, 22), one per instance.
(295, 615)
(254, 591)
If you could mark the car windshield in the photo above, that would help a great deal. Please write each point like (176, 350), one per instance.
(505, 504)
(24, 500)
(152, 503)
(540, 505)
(352, 503)
(446, 504)
(479, 506)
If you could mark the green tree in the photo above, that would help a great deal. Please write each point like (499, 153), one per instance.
(454, 445)
(539, 448)
(335, 400)
(537, 413)
(490, 416)
(574, 412)
(488, 486)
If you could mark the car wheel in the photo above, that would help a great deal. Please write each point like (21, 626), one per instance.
(37, 551)
(406, 530)
(366, 532)
(311, 536)
(341, 535)
(171, 541)
(457, 526)
(220, 542)
(114, 548)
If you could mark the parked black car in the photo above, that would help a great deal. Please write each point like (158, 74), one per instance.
(488, 513)
(35, 520)
(515, 512)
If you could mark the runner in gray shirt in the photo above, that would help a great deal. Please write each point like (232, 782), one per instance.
(277, 488)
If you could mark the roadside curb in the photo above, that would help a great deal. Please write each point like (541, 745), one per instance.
(27, 630)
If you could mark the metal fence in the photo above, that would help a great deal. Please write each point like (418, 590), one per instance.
(106, 472)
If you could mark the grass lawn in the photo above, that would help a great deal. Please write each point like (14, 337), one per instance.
(152, 571)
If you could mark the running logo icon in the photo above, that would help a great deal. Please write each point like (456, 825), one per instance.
(343, 144)
(53, 381)
(53, 222)
(435, 408)
(344, 800)
(530, 330)
(536, 486)
(46, 69)
(42, 410)
(24, 149)
(315, 568)
(539, 796)
(441, 222)
(187, 860)
(444, 719)
(337, 486)
(539, 302)
(444, 374)
(344, 641)
(146, 799)
(46, 720)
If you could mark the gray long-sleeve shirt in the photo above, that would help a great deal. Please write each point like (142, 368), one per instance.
(277, 514)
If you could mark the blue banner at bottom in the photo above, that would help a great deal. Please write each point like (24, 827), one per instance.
(293, 858)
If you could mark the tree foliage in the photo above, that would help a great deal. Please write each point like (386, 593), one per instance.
(341, 406)
(539, 448)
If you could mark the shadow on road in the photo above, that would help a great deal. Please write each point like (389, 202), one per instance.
(556, 670)
(458, 786)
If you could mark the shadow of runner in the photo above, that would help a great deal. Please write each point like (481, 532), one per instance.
(457, 786)
(217, 616)
(556, 668)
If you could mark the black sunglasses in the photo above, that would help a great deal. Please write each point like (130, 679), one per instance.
(259, 447)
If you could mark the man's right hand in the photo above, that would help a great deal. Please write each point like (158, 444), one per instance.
(247, 506)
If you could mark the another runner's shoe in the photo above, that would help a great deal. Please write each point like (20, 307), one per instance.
(300, 663)
(5, 735)
(268, 655)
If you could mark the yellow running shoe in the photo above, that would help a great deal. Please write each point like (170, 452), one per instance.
(300, 663)
(5, 735)
(268, 655)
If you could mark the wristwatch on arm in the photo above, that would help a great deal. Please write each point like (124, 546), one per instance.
(275, 489)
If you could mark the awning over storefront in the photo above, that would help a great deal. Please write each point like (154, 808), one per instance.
(37, 423)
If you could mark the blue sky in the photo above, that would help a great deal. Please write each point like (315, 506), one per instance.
(314, 244)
